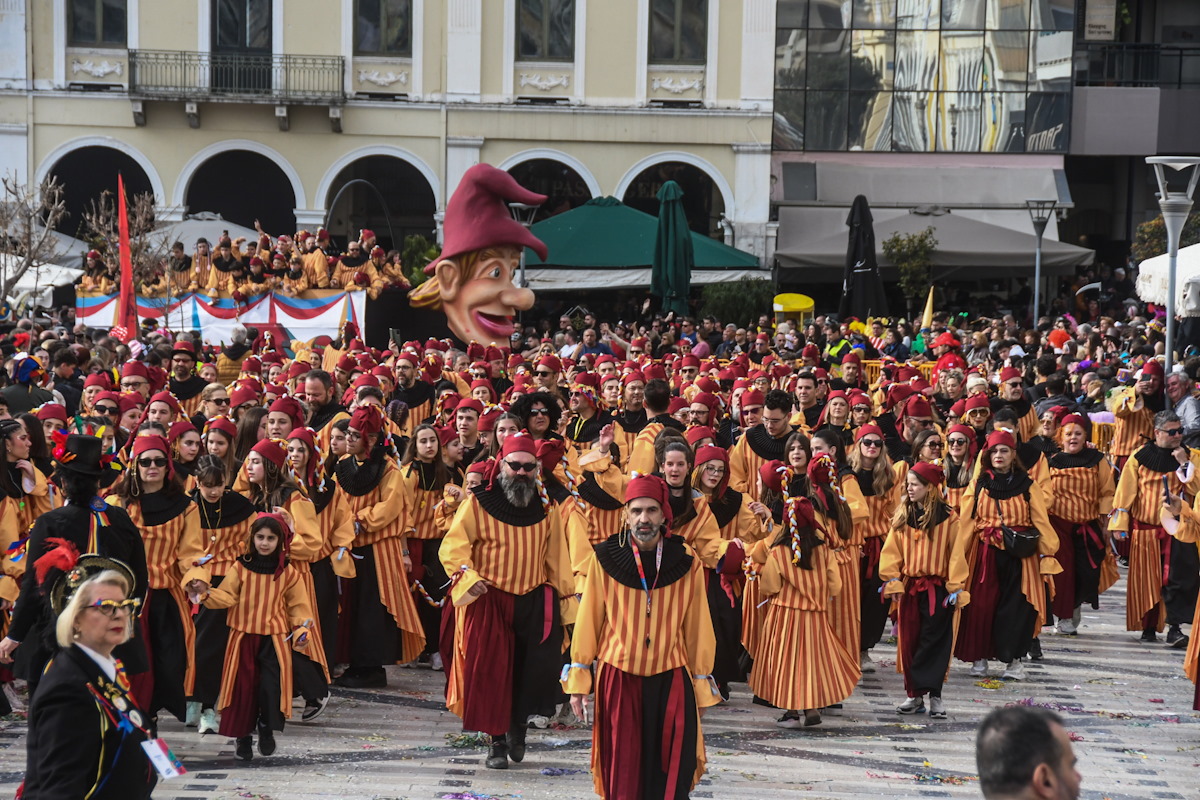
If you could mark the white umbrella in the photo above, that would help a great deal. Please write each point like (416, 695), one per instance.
(1153, 276)
(207, 225)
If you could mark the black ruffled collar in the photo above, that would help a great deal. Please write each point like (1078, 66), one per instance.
(765, 445)
(1087, 457)
(261, 565)
(866, 482)
(159, 508)
(231, 509)
(360, 478)
(916, 515)
(683, 510)
(324, 414)
(1002, 486)
(726, 508)
(616, 558)
(1156, 459)
(493, 501)
(594, 495)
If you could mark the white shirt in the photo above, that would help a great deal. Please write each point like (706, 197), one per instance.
(107, 663)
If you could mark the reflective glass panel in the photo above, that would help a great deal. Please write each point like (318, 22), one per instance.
(872, 60)
(916, 61)
(787, 132)
(1008, 15)
(1053, 15)
(789, 59)
(962, 61)
(912, 115)
(825, 121)
(791, 14)
(1050, 61)
(1003, 116)
(1047, 122)
(828, 59)
(963, 15)
(918, 15)
(829, 14)
(874, 13)
(1005, 61)
(869, 121)
(960, 121)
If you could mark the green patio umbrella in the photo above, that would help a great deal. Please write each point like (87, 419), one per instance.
(671, 269)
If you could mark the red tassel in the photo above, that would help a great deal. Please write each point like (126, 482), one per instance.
(64, 557)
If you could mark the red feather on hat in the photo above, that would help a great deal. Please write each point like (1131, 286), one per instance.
(63, 557)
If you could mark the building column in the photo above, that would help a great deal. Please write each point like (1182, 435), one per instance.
(170, 213)
(752, 193)
(462, 153)
(464, 38)
(758, 37)
(309, 218)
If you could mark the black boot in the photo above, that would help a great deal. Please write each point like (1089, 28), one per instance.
(363, 678)
(266, 740)
(498, 754)
(245, 748)
(1149, 635)
(516, 743)
(1173, 634)
(1035, 650)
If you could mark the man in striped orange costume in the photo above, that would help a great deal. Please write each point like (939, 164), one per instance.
(645, 621)
(512, 593)
(657, 400)
(1136, 516)
(1012, 395)
(185, 384)
(411, 389)
(761, 443)
(1134, 410)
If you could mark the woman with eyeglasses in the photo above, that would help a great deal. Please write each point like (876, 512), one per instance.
(742, 522)
(1008, 592)
(542, 414)
(152, 493)
(1084, 486)
(881, 492)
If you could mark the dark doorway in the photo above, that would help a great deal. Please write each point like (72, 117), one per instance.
(702, 200)
(562, 185)
(242, 186)
(409, 197)
(89, 171)
(241, 46)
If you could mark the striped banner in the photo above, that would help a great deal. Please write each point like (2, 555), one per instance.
(317, 312)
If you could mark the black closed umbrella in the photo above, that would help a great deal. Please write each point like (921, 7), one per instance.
(862, 287)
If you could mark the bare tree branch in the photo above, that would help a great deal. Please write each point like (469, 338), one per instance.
(28, 218)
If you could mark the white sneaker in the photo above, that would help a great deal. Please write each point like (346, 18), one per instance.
(435, 662)
(865, 662)
(789, 721)
(937, 709)
(979, 668)
(1015, 671)
(193, 715)
(538, 721)
(208, 721)
(1067, 627)
(913, 705)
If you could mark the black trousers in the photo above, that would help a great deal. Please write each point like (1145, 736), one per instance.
(536, 663)
(374, 637)
(926, 670)
(434, 580)
(212, 634)
(325, 587)
(1183, 582)
(1012, 628)
(874, 613)
(308, 679)
(727, 626)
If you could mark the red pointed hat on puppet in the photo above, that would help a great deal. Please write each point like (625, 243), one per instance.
(477, 215)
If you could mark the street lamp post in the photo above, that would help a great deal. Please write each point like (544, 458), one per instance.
(1039, 213)
(524, 214)
(1175, 208)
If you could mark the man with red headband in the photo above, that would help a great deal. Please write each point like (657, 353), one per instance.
(644, 623)
(377, 602)
(512, 592)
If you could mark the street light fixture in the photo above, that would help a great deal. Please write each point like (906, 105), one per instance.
(1039, 213)
(524, 214)
(1175, 207)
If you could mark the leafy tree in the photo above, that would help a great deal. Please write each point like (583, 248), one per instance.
(912, 254)
(739, 302)
(417, 252)
(1150, 240)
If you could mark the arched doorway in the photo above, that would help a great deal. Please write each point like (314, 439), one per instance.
(243, 186)
(87, 173)
(702, 201)
(565, 188)
(409, 197)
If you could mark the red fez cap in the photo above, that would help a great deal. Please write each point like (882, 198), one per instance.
(697, 432)
(752, 398)
(976, 401)
(52, 411)
(447, 434)
(851, 358)
(518, 443)
(289, 406)
(633, 377)
(100, 379)
(1008, 373)
(771, 473)
(469, 404)
(1152, 367)
(550, 452)
(1072, 419)
(367, 420)
(224, 425)
(551, 363)
(179, 429)
(869, 428)
(271, 450)
(135, 369)
(651, 487)
(930, 473)
(242, 395)
(1001, 437)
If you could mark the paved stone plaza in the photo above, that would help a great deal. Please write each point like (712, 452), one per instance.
(1127, 705)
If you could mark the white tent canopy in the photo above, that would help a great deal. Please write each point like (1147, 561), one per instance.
(204, 225)
(549, 279)
(38, 282)
(1154, 276)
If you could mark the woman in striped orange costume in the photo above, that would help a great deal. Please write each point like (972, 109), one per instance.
(959, 464)
(225, 518)
(602, 490)
(219, 435)
(185, 449)
(691, 518)
(333, 560)
(273, 489)
(881, 491)
(742, 522)
(800, 664)
(923, 565)
(152, 493)
(268, 607)
(425, 478)
(1083, 498)
(378, 601)
(1008, 593)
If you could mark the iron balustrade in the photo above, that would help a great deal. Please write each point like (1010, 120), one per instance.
(183, 75)
(1121, 64)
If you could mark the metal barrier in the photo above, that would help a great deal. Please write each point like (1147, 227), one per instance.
(1122, 64)
(183, 75)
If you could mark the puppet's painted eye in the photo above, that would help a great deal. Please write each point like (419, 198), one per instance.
(496, 272)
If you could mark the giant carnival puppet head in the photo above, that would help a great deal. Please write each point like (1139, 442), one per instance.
(472, 281)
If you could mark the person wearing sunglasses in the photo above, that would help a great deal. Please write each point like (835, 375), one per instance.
(508, 549)
(152, 493)
(1011, 394)
(383, 624)
(1151, 605)
(214, 401)
(184, 383)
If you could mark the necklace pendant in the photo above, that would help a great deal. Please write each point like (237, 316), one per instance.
(647, 642)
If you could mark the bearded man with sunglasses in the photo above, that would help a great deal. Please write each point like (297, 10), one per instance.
(1012, 395)
(512, 593)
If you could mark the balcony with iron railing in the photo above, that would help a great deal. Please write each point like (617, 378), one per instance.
(1137, 65)
(227, 77)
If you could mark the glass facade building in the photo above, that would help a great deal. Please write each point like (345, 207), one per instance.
(971, 76)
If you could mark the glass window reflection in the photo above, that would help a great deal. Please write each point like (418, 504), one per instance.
(1007, 15)
(874, 13)
(790, 52)
(1046, 122)
(829, 14)
(791, 14)
(828, 59)
(787, 132)
(869, 121)
(1053, 15)
(825, 118)
(911, 115)
(872, 60)
(916, 61)
(963, 15)
(918, 15)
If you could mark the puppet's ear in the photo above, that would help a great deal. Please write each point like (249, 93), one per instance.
(449, 278)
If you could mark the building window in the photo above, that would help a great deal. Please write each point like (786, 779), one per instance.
(974, 76)
(383, 27)
(96, 23)
(546, 30)
(678, 31)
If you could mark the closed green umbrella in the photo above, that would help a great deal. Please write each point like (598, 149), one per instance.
(671, 269)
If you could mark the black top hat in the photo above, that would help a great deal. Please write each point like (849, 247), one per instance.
(80, 453)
